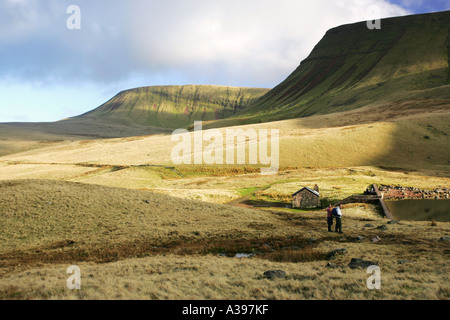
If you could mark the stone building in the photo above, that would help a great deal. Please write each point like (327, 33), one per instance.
(306, 198)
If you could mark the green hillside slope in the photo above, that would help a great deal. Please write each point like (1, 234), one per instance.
(353, 66)
(176, 106)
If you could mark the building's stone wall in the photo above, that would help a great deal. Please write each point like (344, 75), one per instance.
(305, 199)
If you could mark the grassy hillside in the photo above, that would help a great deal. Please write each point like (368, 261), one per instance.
(400, 136)
(19, 137)
(136, 112)
(352, 67)
(43, 213)
(176, 106)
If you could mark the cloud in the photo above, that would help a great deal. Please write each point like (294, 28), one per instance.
(252, 40)
(237, 42)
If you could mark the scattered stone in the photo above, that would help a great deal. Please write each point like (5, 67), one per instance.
(369, 226)
(376, 239)
(335, 252)
(383, 227)
(244, 255)
(272, 274)
(404, 261)
(360, 263)
(392, 222)
(444, 239)
(360, 238)
(331, 265)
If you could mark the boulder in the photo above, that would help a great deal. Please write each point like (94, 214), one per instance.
(360, 263)
(376, 239)
(331, 265)
(272, 274)
(335, 252)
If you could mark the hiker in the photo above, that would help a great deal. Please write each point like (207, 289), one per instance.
(329, 218)
(337, 214)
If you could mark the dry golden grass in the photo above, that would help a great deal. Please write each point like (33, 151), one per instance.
(136, 232)
(171, 248)
(186, 182)
(44, 171)
(213, 277)
(43, 213)
(397, 141)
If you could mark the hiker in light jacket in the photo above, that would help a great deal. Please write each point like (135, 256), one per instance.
(338, 216)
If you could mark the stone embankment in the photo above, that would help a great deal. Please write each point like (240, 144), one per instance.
(399, 192)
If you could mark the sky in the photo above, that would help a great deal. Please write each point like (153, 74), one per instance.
(59, 61)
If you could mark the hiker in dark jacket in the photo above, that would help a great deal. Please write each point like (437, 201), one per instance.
(329, 218)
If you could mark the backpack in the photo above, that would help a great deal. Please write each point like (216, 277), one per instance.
(334, 212)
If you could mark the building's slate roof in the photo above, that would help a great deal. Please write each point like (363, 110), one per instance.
(307, 188)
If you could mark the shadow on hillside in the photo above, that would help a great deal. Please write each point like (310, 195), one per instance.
(75, 129)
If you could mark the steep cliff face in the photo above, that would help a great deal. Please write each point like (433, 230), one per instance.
(176, 106)
(353, 66)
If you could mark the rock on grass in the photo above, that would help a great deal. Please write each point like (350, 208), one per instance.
(272, 274)
(360, 263)
(335, 252)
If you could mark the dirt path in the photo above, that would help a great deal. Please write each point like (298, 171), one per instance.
(238, 202)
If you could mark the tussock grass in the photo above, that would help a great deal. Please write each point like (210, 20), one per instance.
(296, 255)
(180, 249)
(215, 277)
(41, 212)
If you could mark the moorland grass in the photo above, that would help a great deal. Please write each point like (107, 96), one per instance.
(170, 248)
